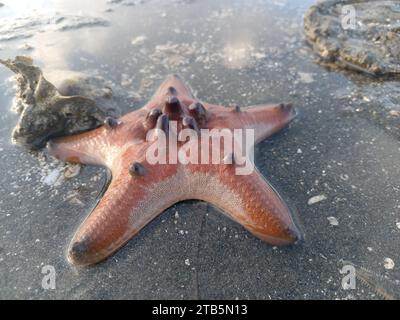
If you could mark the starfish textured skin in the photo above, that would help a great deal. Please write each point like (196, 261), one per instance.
(140, 191)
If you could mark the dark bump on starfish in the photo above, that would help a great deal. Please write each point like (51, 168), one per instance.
(197, 111)
(151, 118)
(137, 169)
(172, 106)
(78, 250)
(296, 234)
(190, 122)
(286, 106)
(111, 123)
(172, 91)
(235, 108)
(163, 123)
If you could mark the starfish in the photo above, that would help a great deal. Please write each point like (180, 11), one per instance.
(139, 190)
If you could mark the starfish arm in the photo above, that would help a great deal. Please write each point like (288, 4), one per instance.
(101, 146)
(86, 148)
(248, 199)
(128, 205)
(264, 119)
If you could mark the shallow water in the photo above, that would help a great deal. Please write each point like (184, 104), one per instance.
(344, 145)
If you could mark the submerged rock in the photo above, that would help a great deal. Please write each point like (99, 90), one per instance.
(354, 34)
(45, 112)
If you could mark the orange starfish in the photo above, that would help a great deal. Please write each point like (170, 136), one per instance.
(139, 190)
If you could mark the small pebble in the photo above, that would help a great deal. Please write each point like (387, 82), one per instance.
(333, 221)
(316, 199)
(388, 264)
(138, 40)
(394, 113)
(366, 99)
(72, 170)
(52, 177)
(306, 77)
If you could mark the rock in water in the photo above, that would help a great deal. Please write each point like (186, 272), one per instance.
(45, 113)
(354, 34)
(108, 96)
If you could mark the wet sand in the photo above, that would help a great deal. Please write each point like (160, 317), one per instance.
(344, 145)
